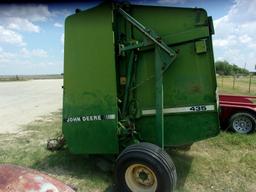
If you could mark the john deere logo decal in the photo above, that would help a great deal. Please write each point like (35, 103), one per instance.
(89, 118)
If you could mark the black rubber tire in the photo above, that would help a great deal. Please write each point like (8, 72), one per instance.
(249, 116)
(151, 156)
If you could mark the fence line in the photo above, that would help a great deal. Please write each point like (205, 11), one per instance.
(237, 83)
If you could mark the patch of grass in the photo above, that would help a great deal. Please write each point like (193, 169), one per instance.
(224, 163)
(28, 148)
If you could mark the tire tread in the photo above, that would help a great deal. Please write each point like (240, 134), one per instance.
(159, 154)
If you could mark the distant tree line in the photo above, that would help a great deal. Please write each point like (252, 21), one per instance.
(225, 68)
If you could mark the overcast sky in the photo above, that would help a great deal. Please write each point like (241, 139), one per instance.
(31, 36)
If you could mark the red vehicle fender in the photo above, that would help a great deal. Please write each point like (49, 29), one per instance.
(231, 104)
(19, 179)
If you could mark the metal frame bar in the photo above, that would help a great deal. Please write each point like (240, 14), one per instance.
(147, 32)
(159, 99)
(128, 83)
(161, 65)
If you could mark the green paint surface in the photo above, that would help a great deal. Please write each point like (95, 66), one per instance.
(189, 81)
(90, 81)
(93, 69)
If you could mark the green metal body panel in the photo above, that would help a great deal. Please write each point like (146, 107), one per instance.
(189, 82)
(90, 105)
(108, 58)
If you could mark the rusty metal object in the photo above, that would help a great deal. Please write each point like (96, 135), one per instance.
(56, 143)
(19, 179)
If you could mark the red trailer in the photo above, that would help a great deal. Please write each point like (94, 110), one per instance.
(238, 113)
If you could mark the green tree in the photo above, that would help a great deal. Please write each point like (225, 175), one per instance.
(225, 68)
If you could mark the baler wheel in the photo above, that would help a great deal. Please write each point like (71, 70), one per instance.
(145, 167)
(242, 122)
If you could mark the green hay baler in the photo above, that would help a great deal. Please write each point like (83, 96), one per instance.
(137, 80)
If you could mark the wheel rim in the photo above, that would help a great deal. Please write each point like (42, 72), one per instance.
(140, 178)
(242, 124)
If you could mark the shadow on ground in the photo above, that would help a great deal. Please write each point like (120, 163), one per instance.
(93, 169)
(78, 167)
(183, 163)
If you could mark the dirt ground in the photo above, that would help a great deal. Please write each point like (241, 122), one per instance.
(22, 102)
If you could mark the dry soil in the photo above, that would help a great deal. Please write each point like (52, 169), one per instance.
(24, 101)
